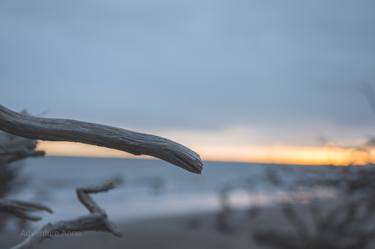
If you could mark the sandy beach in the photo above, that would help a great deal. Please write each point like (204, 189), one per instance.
(192, 231)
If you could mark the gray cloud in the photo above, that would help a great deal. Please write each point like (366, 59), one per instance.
(191, 64)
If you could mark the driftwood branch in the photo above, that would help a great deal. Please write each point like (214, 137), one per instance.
(101, 135)
(20, 143)
(22, 209)
(97, 220)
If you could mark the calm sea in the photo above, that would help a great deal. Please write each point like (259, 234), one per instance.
(151, 187)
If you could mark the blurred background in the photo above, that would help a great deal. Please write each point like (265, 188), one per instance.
(264, 91)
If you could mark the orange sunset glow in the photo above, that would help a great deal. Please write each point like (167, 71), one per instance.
(302, 155)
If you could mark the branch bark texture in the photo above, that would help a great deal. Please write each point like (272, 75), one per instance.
(132, 142)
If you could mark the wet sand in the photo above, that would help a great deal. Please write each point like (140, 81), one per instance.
(192, 231)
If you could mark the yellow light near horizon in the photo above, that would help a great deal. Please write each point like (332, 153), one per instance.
(304, 155)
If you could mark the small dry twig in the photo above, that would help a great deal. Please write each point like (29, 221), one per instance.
(97, 220)
(22, 209)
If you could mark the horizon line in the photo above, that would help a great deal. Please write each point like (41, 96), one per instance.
(149, 158)
(277, 155)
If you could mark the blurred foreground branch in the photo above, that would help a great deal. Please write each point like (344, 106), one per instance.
(345, 222)
(97, 220)
(12, 150)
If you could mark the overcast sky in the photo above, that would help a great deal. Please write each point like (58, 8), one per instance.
(257, 72)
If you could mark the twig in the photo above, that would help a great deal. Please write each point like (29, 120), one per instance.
(101, 135)
(97, 220)
(22, 209)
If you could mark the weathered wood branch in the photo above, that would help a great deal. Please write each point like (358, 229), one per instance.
(22, 209)
(97, 220)
(101, 135)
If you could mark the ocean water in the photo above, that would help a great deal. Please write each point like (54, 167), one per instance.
(151, 187)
